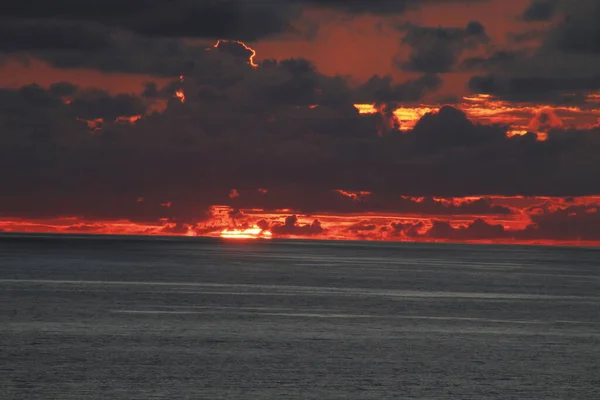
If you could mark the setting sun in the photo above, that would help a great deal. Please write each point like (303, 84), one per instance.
(250, 233)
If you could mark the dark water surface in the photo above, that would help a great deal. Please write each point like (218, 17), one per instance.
(126, 318)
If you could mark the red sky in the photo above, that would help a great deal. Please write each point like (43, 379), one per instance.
(353, 45)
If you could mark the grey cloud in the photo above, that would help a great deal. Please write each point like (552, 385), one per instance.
(33, 35)
(62, 89)
(212, 19)
(95, 103)
(535, 35)
(381, 7)
(291, 227)
(558, 65)
(249, 128)
(499, 60)
(574, 223)
(224, 19)
(579, 31)
(540, 10)
(380, 89)
(133, 54)
(437, 50)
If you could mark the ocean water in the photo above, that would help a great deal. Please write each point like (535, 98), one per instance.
(148, 318)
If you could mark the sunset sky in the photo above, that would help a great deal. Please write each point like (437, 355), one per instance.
(407, 120)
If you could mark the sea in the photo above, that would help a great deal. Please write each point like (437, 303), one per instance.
(101, 317)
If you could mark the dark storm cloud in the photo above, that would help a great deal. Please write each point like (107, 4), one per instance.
(572, 223)
(88, 41)
(153, 91)
(143, 36)
(288, 82)
(165, 57)
(450, 128)
(80, 44)
(540, 10)
(223, 19)
(50, 23)
(56, 116)
(95, 103)
(568, 223)
(499, 60)
(559, 64)
(192, 155)
(291, 227)
(437, 50)
(578, 223)
(579, 31)
(133, 54)
(227, 19)
(362, 7)
(215, 14)
(378, 6)
(478, 229)
(28, 35)
(62, 89)
(283, 126)
(535, 36)
(381, 90)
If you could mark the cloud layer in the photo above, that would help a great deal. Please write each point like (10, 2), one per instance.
(221, 125)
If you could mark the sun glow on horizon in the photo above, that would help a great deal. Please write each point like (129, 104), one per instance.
(429, 219)
(249, 233)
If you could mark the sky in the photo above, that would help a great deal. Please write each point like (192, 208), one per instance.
(405, 120)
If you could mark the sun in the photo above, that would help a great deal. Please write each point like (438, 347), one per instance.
(250, 233)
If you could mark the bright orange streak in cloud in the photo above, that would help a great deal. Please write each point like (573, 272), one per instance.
(251, 50)
(356, 196)
(93, 124)
(179, 93)
(129, 120)
(521, 118)
(97, 123)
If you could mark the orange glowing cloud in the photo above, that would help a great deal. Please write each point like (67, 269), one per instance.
(485, 109)
(180, 95)
(536, 220)
(355, 196)
(128, 120)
